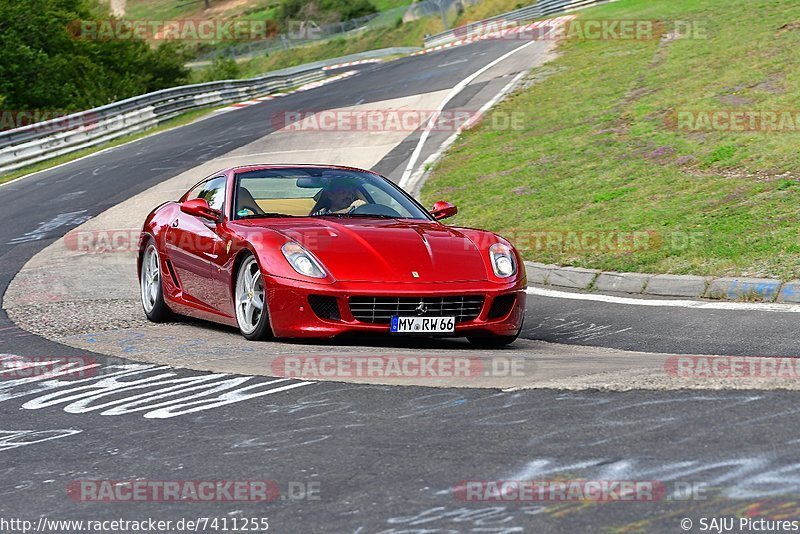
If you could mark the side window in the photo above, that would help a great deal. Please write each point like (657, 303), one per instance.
(213, 191)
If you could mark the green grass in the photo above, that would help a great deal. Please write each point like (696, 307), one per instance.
(384, 5)
(180, 120)
(595, 152)
(182, 9)
(486, 9)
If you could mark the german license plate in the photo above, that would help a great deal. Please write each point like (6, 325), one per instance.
(422, 325)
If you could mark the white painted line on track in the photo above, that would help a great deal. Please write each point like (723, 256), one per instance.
(352, 63)
(669, 303)
(452, 94)
(415, 182)
(305, 87)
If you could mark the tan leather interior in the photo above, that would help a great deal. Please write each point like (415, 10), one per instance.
(290, 206)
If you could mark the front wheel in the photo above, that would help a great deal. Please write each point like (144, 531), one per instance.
(250, 298)
(151, 289)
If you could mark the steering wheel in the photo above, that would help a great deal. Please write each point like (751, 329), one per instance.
(246, 202)
(375, 209)
(246, 211)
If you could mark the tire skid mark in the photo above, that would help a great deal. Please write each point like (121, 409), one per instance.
(558, 328)
(12, 439)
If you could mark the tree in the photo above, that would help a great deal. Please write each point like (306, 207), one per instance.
(44, 65)
(325, 10)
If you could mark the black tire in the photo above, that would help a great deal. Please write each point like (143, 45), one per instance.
(261, 331)
(494, 342)
(158, 311)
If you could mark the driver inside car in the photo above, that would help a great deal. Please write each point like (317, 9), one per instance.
(338, 196)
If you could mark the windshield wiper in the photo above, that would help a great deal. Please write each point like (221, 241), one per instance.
(265, 216)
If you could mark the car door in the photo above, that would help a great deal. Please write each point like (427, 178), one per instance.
(193, 245)
(221, 298)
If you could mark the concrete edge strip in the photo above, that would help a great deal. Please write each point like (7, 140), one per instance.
(742, 289)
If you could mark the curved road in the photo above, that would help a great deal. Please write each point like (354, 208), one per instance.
(377, 458)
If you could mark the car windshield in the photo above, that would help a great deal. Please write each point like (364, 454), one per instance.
(320, 192)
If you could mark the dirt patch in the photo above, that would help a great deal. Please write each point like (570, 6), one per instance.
(118, 7)
(661, 51)
(773, 84)
(610, 131)
(789, 27)
(222, 7)
(661, 153)
(685, 160)
(763, 176)
(523, 190)
(735, 100)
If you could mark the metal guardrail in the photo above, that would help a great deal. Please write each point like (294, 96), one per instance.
(540, 9)
(63, 135)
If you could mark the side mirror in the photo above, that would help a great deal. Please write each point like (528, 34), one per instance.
(442, 210)
(199, 208)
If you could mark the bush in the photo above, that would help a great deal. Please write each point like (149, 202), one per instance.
(326, 10)
(222, 68)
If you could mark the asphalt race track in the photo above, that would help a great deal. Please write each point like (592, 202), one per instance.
(356, 457)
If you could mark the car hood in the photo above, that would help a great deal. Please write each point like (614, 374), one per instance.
(387, 250)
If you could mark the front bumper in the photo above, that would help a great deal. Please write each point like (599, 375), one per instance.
(291, 314)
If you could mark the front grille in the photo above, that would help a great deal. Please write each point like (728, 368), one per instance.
(379, 310)
(324, 307)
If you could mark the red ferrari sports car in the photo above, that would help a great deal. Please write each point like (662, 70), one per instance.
(318, 251)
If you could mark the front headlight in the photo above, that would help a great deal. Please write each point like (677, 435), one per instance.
(503, 261)
(302, 260)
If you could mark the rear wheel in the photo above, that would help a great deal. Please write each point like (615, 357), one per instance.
(151, 289)
(250, 297)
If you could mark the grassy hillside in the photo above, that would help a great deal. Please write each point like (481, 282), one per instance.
(598, 149)
(229, 9)
(401, 34)
(408, 34)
